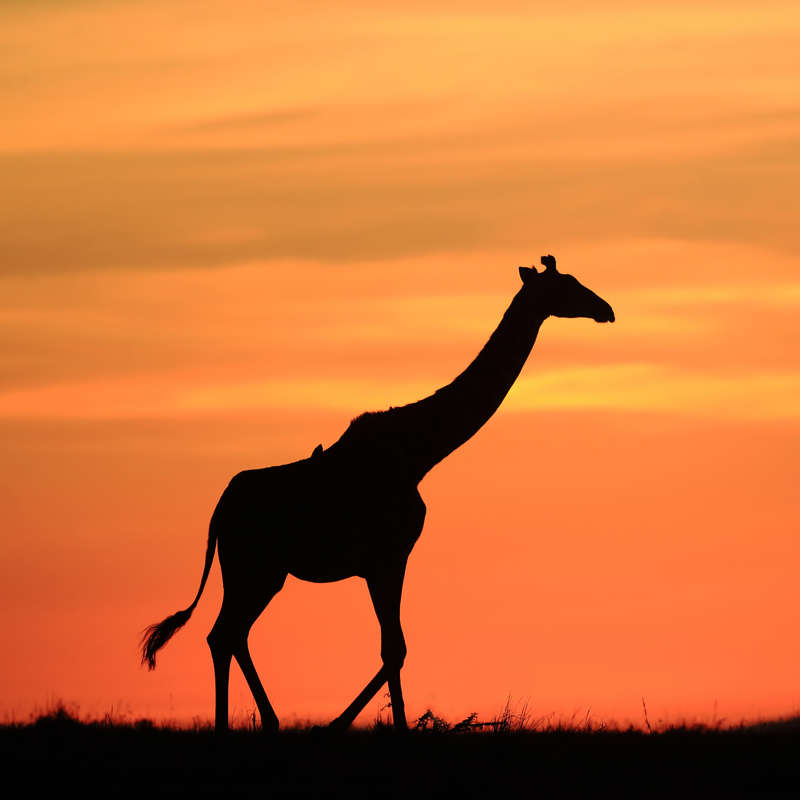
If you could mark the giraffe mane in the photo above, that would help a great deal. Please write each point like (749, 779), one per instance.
(364, 425)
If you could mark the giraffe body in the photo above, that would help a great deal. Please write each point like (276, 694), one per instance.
(318, 519)
(354, 509)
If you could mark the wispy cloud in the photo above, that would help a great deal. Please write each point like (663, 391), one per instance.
(166, 209)
(643, 388)
(655, 389)
(212, 138)
(403, 320)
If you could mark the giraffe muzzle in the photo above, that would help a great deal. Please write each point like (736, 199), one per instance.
(605, 315)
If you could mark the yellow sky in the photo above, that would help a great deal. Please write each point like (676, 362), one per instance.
(228, 228)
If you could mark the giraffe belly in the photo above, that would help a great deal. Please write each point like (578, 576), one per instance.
(339, 542)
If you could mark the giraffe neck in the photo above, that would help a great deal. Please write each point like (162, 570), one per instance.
(454, 413)
(410, 440)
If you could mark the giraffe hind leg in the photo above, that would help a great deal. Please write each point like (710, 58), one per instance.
(228, 639)
(269, 719)
(221, 654)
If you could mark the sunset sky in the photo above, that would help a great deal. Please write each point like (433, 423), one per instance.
(228, 228)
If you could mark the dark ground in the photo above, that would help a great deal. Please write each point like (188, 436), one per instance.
(57, 755)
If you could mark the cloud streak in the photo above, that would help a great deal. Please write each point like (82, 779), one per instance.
(645, 388)
(212, 140)
(156, 210)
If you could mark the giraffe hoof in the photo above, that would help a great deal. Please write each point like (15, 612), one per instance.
(270, 728)
(325, 731)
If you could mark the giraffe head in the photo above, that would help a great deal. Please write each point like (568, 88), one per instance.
(561, 295)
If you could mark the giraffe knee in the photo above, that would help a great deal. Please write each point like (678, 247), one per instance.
(216, 647)
(393, 654)
(220, 641)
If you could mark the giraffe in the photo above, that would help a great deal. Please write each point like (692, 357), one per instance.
(354, 509)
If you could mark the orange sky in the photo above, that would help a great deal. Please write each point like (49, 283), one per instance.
(229, 228)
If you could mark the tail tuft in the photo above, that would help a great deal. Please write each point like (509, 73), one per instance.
(156, 636)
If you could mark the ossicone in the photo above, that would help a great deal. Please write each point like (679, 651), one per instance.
(549, 262)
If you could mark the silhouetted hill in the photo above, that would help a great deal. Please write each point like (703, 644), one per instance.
(57, 753)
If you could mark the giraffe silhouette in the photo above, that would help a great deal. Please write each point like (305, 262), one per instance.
(354, 509)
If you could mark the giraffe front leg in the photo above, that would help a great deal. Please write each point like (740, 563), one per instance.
(345, 719)
(398, 706)
(385, 589)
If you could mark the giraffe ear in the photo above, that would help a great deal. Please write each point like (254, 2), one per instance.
(526, 273)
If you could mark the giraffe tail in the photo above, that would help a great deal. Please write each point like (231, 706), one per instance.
(156, 636)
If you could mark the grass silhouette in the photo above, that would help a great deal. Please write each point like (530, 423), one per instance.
(470, 758)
